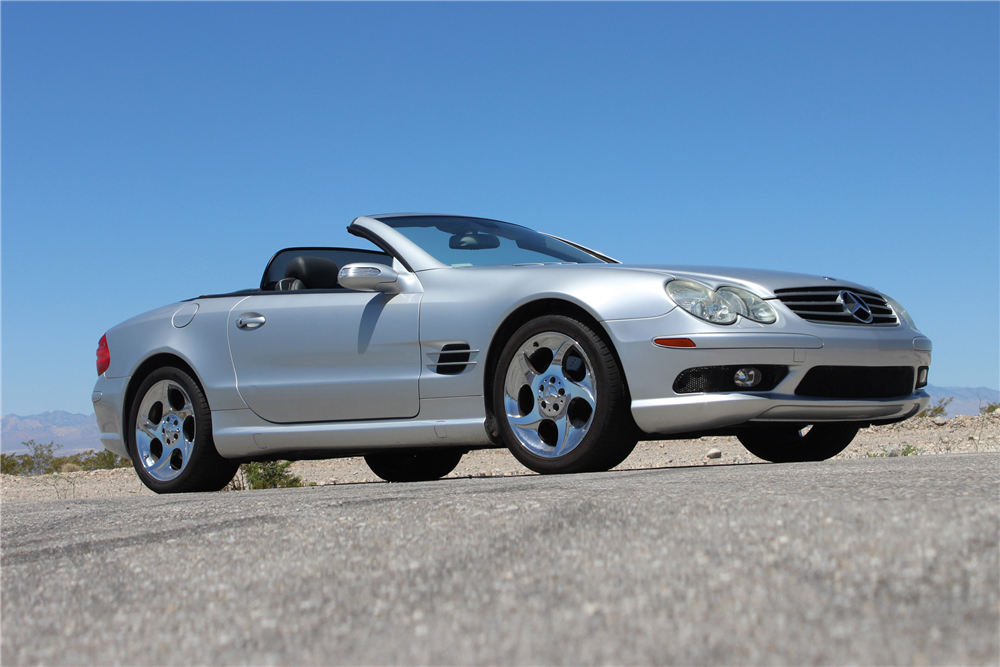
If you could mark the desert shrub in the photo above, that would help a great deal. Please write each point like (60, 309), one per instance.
(989, 408)
(264, 475)
(938, 409)
(92, 460)
(14, 464)
(104, 459)
(41, 460)
(271, 475)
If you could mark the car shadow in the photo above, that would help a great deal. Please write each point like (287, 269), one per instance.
(535, 474)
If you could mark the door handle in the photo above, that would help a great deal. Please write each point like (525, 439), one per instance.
(250, 321)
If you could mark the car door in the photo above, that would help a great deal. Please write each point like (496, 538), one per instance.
(329, 355)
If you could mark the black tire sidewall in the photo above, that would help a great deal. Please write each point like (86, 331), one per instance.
(583, 458)
(204, 458)
(406, 466)
(784, 445)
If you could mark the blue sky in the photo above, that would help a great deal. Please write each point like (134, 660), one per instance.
(152, 152)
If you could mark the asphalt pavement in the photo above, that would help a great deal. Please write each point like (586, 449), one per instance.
(877, 561)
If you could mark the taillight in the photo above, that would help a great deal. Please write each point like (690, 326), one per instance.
(103, 355)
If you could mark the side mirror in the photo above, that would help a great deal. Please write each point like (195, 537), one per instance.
(366, 277)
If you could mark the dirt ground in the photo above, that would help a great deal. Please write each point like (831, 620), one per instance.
(915, 437)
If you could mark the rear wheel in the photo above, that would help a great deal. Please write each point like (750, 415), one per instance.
(560, 399)
(790, 443)
(413, 466)
(171, 429)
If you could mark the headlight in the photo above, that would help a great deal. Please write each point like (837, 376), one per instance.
(701, 302)
(754, 307)
(722, 307)
(900, 312)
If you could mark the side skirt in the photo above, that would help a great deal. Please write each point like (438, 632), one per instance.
(442, 422)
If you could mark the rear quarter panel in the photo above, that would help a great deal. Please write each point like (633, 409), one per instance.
(203, 344)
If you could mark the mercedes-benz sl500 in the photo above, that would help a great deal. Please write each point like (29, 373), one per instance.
(457, 333)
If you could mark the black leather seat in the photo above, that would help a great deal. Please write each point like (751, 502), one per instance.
(307, 272)
(286, 284)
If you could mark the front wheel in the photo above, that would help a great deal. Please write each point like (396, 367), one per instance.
(791, 443)
(560, 399)
(171, 427)
(413, 466)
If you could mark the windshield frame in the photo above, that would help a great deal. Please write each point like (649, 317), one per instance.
(442, 237)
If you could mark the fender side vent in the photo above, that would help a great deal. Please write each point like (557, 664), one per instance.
(452, 359)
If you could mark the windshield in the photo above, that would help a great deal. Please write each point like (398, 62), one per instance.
(479, 242)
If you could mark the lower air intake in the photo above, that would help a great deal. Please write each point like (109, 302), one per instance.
(857, 382)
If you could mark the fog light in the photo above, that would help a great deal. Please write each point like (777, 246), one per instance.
(922, 377)
(747, 377)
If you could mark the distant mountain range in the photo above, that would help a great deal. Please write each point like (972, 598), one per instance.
(966, 401)
(74, 432)
(77, 432)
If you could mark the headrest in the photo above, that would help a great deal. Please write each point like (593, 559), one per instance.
(314, 272)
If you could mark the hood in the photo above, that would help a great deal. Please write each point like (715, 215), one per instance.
(759, 281)
(762, 282)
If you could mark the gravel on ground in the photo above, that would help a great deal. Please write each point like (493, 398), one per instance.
(914, 437)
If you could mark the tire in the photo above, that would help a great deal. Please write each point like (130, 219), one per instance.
(413, 466)
(791, 443)
(170, 430)
(560, 399)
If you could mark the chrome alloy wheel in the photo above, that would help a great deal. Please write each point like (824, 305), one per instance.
(549, 394)
(165, 430)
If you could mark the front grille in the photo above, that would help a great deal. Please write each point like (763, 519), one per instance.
(857, 382)
(820, 304)
(707, 379)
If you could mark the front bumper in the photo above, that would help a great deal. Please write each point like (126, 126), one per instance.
(706, 412)
(651, 370)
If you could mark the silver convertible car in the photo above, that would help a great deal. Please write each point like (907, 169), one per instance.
(457, 333)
